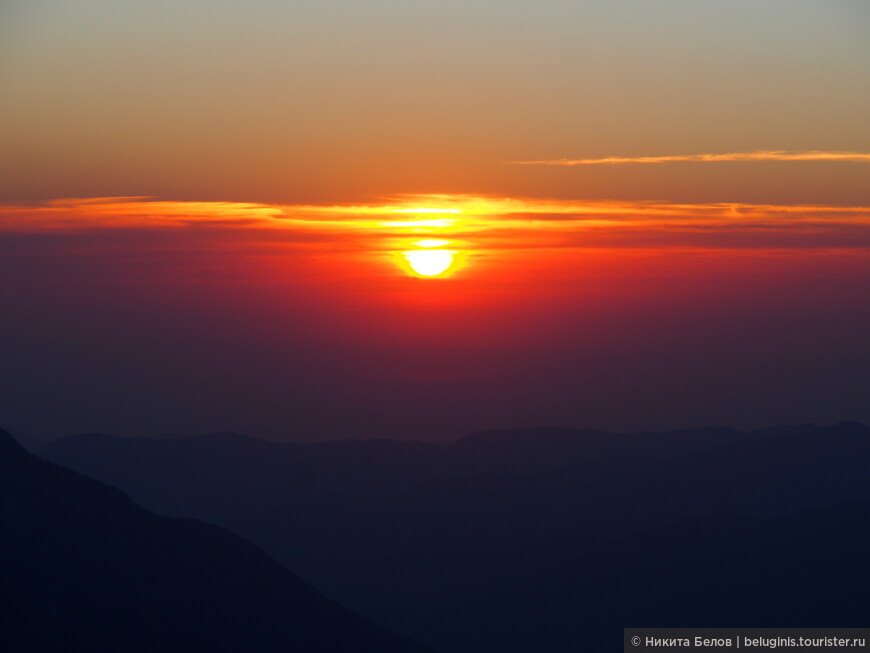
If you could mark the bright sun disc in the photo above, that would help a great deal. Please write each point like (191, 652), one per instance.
(430, 262)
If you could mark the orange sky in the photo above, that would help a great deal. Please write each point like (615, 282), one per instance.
(340, 102)
(303, 321)
(659, 213)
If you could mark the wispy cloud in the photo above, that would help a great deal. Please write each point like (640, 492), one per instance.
(760, 155)
(477, 223)
(126, 212)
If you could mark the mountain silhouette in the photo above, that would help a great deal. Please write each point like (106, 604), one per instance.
(33, 445)
(804, 570)
(374, 522)
(86, 569)
(524, 451)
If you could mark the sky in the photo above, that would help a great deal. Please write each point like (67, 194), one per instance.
(656, 214)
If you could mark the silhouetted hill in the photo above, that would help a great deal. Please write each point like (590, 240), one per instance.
(33, 445)
(348, 466)
(372, 523)
(805, 570)
(85, 569)
(524, 451)
(786, 429)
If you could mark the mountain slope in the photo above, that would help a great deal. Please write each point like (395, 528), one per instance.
(373, 523)
(33, 445)
(84, 568)
(804, 570)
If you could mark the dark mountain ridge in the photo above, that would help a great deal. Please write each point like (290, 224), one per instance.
(376, 523)
(84, 568)
(33, 445)
(806, 570)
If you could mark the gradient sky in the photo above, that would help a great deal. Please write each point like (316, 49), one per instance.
(332, 101)
(660, 213)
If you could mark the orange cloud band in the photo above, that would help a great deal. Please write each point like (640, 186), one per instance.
(484, 222)
(760, 155)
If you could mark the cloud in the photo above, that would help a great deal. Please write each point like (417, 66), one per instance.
(760, 155)
(476, 223)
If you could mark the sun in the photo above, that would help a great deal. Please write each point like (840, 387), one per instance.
(430, 259)
(430, 262)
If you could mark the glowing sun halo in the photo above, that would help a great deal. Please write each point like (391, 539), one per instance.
(430, 262)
